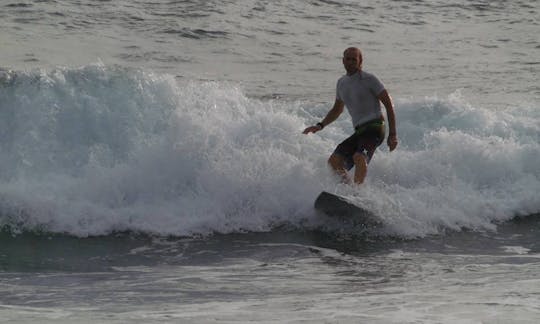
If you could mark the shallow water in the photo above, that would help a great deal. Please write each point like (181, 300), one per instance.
(279, 276)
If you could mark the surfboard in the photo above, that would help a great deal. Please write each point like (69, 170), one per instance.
(341, 208)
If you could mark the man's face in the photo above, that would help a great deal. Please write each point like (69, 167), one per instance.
(351, 61)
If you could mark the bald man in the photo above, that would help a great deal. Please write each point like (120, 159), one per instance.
(362, 93)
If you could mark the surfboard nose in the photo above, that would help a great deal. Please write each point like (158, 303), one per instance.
(339, 207)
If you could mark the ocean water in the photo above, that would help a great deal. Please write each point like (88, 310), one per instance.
(152, 166)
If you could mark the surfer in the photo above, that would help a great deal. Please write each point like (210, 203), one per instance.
(362, 93)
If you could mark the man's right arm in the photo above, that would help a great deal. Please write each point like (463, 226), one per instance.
(332, 115)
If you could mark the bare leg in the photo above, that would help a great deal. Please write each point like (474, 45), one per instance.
(337, 163)
(360, 165)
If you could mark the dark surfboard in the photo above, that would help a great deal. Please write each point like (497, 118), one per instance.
(341, 208)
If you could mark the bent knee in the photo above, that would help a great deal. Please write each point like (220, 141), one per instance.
(335, 159)
(359, 158)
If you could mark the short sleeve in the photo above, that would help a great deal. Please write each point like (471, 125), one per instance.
(376, 86)
(338, 97)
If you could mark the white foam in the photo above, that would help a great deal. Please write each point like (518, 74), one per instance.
(98, 149)
(457, 167)
(520, 250)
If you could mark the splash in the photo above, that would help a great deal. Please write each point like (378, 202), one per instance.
(98, 149)
(458, 167)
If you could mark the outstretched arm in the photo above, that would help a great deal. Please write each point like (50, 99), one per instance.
(332, 115)
(392, 141)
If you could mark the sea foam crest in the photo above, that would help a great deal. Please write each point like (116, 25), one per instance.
(457, 166)
(99, 149)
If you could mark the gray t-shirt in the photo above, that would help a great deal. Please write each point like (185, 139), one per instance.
(359, 93)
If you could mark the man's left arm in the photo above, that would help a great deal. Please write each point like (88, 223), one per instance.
(384, 97)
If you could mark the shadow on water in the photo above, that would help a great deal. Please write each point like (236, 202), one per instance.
(46, 252)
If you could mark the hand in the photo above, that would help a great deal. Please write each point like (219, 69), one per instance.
(392, 141)
(311, 129)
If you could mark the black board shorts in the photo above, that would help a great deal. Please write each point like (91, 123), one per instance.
(365, 140)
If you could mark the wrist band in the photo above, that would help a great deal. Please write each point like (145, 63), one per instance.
(320, 125)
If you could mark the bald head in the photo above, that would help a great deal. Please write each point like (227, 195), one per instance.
(352, 60)
(353, 50)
